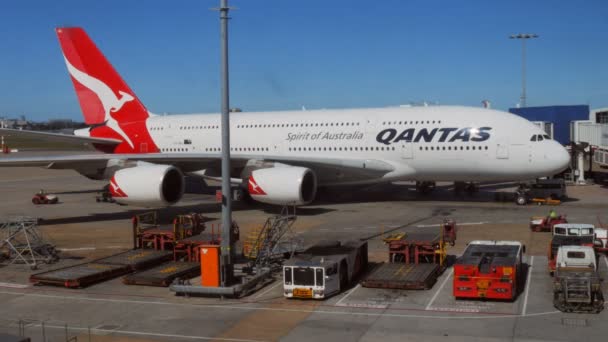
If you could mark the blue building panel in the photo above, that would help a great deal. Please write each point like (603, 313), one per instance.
(560, 116)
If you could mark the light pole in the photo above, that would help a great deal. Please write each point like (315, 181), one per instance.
(523, 37)
(226, 267)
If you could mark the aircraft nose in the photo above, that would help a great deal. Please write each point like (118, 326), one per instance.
(558, 158)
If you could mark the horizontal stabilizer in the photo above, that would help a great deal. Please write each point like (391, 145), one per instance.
(45, 137)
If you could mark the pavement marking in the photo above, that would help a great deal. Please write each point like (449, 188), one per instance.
(90, 248)
(251, 307)
(348, 294)
(364, 306)
(458, 224)
(268, 290)
(14, 285)
(455, 309)
(527, 290)
(430, 304)
(77, 249)
(141, 333)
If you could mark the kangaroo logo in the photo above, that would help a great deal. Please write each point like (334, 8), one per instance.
(115, 190)
(109, 101)
(254, 188)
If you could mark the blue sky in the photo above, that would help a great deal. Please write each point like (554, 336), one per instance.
(313, 53)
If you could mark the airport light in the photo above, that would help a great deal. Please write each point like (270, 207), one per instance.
(523, 37)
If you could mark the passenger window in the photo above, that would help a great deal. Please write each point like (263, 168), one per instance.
(533, 138)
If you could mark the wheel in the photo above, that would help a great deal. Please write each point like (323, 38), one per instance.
(520, 200)
(36, 200)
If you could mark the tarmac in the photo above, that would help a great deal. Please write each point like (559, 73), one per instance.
(84, 229)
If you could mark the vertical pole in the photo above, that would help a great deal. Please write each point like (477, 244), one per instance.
(523, 72)
(226, 268)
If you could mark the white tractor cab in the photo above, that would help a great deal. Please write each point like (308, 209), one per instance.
(588, 232)
(324, 269)
(573, 229)
(576, 257)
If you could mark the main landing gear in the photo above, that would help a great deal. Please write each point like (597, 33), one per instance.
(468, 187)
(425, 187)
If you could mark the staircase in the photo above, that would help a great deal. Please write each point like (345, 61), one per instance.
(263, 245)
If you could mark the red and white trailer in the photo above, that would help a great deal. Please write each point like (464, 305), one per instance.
(489, 269)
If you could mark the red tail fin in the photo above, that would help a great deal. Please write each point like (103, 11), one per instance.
(105, 99)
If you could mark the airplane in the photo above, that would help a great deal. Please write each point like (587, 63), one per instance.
(282, 157)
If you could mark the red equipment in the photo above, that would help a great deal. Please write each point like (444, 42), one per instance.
(489, 269)
(546, 223)
(44, 198)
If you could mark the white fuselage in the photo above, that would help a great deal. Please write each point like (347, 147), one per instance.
(436, 143)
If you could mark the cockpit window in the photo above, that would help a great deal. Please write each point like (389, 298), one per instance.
(546, 136)
(533, 138)
(540, 137)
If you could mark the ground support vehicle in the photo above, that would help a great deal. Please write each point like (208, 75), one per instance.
(577, 286)
(546, 223)
(324, 269)
(569, 234)
(43, 198)
(416, 259)
(543, 191)
(489, 269)
(601, 240)
(105, 196)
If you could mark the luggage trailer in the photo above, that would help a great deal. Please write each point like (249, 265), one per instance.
(416, 259)
(489, 269)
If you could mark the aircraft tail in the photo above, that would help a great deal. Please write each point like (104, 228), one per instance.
(107, 102)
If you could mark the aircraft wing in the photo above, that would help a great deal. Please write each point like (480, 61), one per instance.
(45, 137)
(327, 169)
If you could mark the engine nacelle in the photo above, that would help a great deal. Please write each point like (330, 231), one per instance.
(148, 185)
(283, 185)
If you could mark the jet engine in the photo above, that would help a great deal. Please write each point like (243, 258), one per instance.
(148, 185)
(283, 185)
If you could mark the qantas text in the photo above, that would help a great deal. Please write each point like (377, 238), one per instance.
(446, 134)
